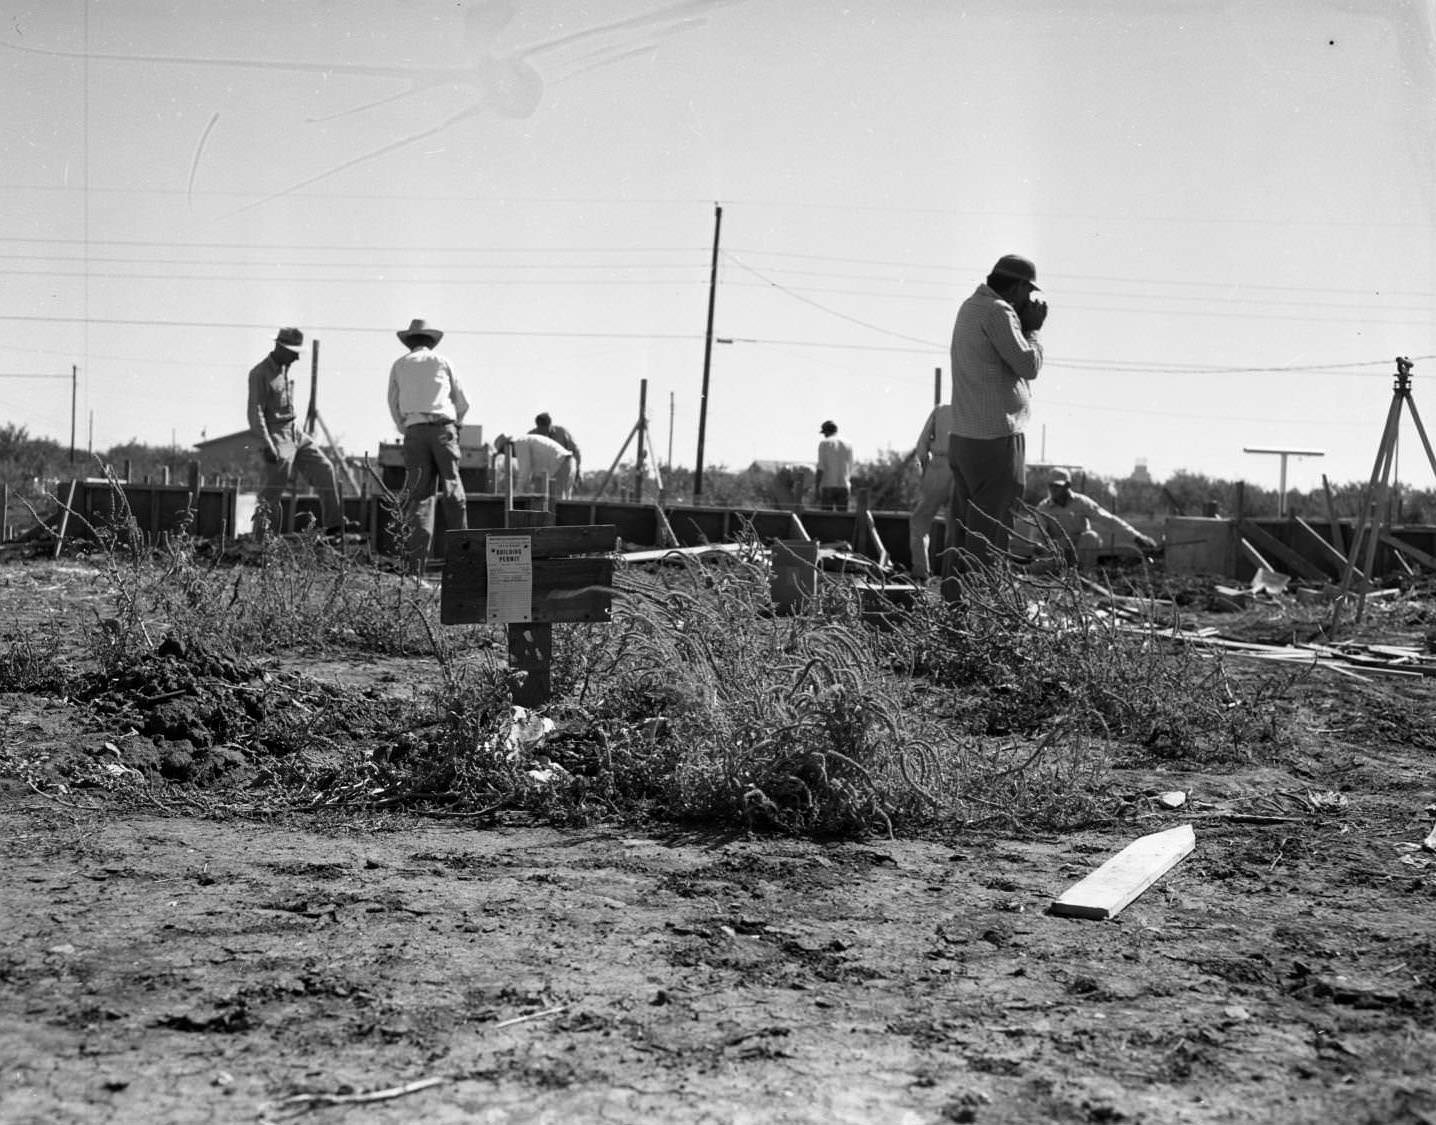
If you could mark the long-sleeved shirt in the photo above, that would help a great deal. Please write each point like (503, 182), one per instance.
(535, 455)
(993, 361)
(271, 398)
(424, 388)
(835, 463)
(1077, 516)
(932, 442)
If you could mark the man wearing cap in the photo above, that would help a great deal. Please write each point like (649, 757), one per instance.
(934, 488)
(834, 469)
(538, 462)
(996, 353)
(544, 427)
(1066, 517)
(428, 406)
(286, 449)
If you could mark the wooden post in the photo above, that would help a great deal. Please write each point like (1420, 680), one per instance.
(642, 435)
(569, 583)
(65, 518)
(1338, 540)
(531, 642)
(862, 498)
(1234, 548)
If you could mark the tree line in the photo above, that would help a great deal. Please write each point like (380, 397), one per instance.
(30, 466)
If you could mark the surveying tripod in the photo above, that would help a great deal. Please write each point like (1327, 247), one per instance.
(1373, 497)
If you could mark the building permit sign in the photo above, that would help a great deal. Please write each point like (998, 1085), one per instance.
(511, 579)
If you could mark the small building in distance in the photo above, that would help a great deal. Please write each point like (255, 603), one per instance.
(232, 457)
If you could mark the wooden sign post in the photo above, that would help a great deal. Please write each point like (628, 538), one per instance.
(528, 578)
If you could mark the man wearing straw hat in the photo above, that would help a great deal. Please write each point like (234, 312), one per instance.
(286, 449)
(428, 406)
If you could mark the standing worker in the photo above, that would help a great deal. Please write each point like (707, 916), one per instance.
(428, 406)
(835, 469)
(286, 449)
(934, 487)
(996, 353)
(544, 427)
(1066, 517)
(538, 462)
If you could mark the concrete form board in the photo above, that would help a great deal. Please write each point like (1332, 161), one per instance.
(1198, 545)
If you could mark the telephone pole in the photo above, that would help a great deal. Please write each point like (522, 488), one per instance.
(707, 355)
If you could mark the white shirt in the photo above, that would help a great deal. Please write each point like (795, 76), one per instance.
(424, 388)
(835, 463)
(535, 455)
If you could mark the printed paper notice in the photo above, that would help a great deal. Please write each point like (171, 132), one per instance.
(511, 579)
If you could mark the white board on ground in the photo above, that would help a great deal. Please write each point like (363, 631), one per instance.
(1127, 874)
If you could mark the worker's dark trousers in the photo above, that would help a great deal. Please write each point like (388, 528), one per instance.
(988, 475)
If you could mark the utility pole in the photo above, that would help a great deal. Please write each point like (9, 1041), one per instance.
(74, 385)
(313, 415)
(642, 434)
(707, 355)
(670, 435)
(937, 386)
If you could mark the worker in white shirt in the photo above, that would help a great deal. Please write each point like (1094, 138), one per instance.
(538, 463)
(428, 406)
(834, 469)
(934, 489)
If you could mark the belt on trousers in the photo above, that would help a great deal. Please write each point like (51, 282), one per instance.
(431, 420)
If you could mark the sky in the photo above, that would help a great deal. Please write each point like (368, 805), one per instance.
(1230, 204)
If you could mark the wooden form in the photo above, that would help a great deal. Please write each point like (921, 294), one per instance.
(570, 583)
(1413, 553)
(1273, 548)
(1109, 889)
(1252, 555)
(1327, 556)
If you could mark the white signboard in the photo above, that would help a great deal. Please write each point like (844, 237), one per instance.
(511, 579)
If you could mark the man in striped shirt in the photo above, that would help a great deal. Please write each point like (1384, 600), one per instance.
(996, 353)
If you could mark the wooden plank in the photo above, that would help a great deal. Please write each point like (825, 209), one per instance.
(876, 539)
(531, 663)
(65, 517)
(1274, 548)
(1105, 892)
(548, 542)
(1337, 538)
(676, 553)
(1254, 556)
(1335, 561)
(1413, 553)
(577, 589)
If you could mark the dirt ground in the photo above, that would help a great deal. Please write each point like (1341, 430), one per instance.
(164, 968)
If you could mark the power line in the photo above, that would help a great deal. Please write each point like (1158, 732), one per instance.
(957, 271)
(403, 247)
(824, 308)
(126, 322)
